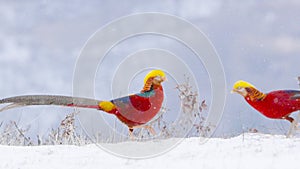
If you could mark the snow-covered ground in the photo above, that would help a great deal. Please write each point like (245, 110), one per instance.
(246, 151)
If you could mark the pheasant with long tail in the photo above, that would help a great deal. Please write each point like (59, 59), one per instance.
(133, 110)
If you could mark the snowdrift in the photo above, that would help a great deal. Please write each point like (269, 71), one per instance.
(247, 151)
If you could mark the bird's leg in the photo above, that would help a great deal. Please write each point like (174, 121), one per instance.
(290, 119)
(147, 127)
(294, 124)
(150, 129)
(296, 121)
(131, 133)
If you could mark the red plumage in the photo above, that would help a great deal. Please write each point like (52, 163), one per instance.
(277, 104)
(138, 109)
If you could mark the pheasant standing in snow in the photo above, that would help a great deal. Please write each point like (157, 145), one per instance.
(133, 110)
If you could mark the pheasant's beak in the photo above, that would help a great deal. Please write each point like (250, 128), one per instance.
(159, 79)
(240, 91)
(234, 91)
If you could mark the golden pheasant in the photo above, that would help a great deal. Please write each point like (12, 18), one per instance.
(133, 110)
(278, 104)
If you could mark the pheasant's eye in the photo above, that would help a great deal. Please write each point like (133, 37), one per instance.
(248, 89)
(158, 78)
(239, 88)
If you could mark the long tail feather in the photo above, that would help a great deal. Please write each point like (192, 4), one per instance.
(69, 101)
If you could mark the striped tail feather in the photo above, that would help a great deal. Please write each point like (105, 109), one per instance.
(28, 100)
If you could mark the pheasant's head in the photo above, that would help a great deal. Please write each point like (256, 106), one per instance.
(242, 87)
(247, 90)
(153, 78)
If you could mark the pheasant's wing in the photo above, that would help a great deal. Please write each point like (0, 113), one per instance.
(134, 102)
(27, 100)
(138, 108)
(294, 94)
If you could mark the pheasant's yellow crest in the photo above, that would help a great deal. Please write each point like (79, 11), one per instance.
(154, 73)
(242, 84)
